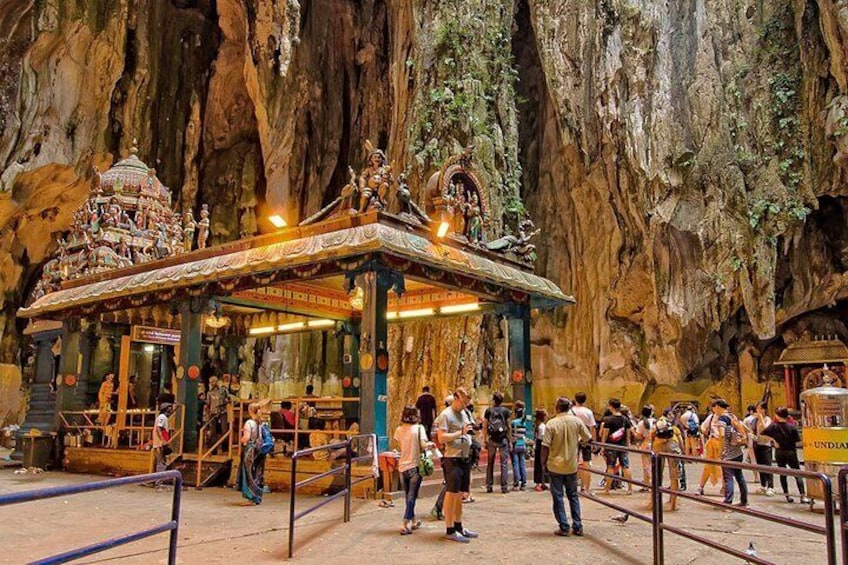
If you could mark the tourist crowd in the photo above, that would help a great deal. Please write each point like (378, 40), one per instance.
(564, 445)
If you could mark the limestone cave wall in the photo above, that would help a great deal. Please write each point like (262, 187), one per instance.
(685, 160)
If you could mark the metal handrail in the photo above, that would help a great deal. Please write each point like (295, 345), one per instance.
(201, 455)
(297, 432)
(657, 491)
(171, 526)
(827, 530)
(843, 512)
(346, 491)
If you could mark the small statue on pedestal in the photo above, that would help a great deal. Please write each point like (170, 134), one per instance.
(189, 227)
(203, 227)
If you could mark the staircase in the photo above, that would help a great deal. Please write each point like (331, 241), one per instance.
(214, 471)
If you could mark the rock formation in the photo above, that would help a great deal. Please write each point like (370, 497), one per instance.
(685, 161)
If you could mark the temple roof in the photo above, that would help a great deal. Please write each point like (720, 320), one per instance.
(814, 352)
(345, 243)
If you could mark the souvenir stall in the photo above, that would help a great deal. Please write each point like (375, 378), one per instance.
(306, 305)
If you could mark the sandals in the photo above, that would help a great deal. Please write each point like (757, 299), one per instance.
(468, 500)
(386, 503)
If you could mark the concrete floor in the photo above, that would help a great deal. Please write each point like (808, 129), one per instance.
(217, 526)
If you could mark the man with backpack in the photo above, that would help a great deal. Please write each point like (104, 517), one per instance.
(735, 436)
(692, 429)
(498, 437)
(616, 429)
(588, 418)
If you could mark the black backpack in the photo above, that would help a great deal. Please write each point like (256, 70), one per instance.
(496, 426)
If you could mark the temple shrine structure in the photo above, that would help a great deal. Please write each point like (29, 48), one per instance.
(134, 290)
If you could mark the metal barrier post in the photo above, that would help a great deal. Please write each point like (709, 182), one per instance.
(291, 504)
(656, 483)
(175, 518)
(843, 513)
(348, 471)
(830, 536)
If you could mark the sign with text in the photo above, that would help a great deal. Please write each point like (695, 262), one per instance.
(149, 334)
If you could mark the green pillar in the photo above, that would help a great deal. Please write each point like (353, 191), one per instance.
(373, 356)
(518, 322)
(191, 336)
(69, 364)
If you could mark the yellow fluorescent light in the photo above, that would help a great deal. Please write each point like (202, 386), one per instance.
(416, 313)
(320, 323)
(391, 315)
(443, 230)
(261, 330)
(277, 220)
(457, 308)
(291, 326)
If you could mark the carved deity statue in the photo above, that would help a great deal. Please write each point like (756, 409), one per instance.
(189, 227)
(203, 227)
(474, 220)
(375, 180)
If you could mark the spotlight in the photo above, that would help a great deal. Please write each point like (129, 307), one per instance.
(278, 221)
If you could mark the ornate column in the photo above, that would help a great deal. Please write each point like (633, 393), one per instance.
(88, 345)
(373, 355)
(520, 373)
(70, 368)
(41, 414)
(192, 312)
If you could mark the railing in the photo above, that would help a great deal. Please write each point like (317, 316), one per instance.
(657, 489)
(843, 512)
(639, 516)
(240, 406)
(81, 421)
(346, 491)
(171, 526)
(201, 455)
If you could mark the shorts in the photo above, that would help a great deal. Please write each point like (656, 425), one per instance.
(457, 475)
(614, 457)
(586, 453)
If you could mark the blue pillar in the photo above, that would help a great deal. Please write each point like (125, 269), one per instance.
(518, 322)
(373, 356)
(191, 335)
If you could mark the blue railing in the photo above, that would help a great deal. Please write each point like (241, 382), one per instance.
(349, 461)
(170, 526)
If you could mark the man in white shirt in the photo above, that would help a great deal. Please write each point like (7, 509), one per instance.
(585, 415)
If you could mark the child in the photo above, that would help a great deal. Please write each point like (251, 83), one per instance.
(519, 447)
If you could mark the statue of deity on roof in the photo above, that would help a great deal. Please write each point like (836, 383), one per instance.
(375, 180)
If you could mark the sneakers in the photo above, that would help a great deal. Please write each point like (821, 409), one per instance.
(522, 487)
(504, 490)
(805, 500)
(457, 537)
(700, 491)
(577, 532)
(761, 490)
(769, 491)
(488, 489)
(562, 533)
(415, 524)
(470, 534)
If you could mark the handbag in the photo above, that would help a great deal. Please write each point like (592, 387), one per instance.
(425, 462)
